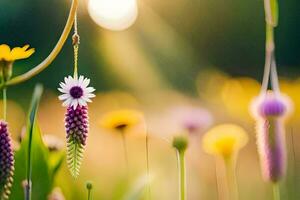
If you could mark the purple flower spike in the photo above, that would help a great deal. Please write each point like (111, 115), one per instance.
(272, 150)
(6, 161)
(76, 124)
(270, 111)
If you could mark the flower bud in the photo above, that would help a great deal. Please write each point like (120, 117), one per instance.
(180, 143)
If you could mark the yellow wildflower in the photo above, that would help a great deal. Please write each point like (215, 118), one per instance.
(17, 53)
(121, 120)
(224, 140)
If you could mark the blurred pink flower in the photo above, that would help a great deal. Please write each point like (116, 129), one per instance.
(191, 118)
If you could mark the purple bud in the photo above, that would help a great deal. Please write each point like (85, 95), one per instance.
(76, 124)
(271, 105)
(271, 147)
(6, 161)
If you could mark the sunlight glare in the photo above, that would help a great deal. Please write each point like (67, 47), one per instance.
(113, 14)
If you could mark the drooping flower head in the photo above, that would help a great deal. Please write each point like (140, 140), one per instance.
(270, 111)
(76, 91)
(224, 140)
(76, 96)
(6, 161)
(8, 56)
(121, 120)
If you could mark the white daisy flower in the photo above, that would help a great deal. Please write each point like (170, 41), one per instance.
(76, 91)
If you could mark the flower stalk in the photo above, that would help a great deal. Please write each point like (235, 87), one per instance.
(180, 143)
(89, 187)
(182, 174)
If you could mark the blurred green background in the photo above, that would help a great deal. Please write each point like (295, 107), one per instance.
(199, 34)
(178, 52)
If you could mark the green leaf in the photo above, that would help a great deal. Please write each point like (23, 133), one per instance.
(41, 179)
(33, 159)
(55, 161)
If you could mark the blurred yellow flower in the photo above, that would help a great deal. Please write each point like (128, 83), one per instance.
(17, 53)
(120, 120)
(224, 140)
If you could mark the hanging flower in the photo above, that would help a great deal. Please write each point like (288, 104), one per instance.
(270, 111)
(225, 140)
(76, 91)
(76, 96)
(6, 161)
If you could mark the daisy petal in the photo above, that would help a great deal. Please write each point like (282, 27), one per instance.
(63, 96)
(67, 102)
(86, 82)
(90, 89)
(90, 95)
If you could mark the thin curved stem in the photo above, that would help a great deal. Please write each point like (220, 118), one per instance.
(44, 64)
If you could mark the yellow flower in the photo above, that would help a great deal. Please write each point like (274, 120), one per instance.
(121, 120)
(17, 53)
(224, 140)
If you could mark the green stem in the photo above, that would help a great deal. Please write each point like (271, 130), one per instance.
(4, 103)
(182, 174)
(44, 64)
(276, 191)
(29, 167)
(89, 194)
